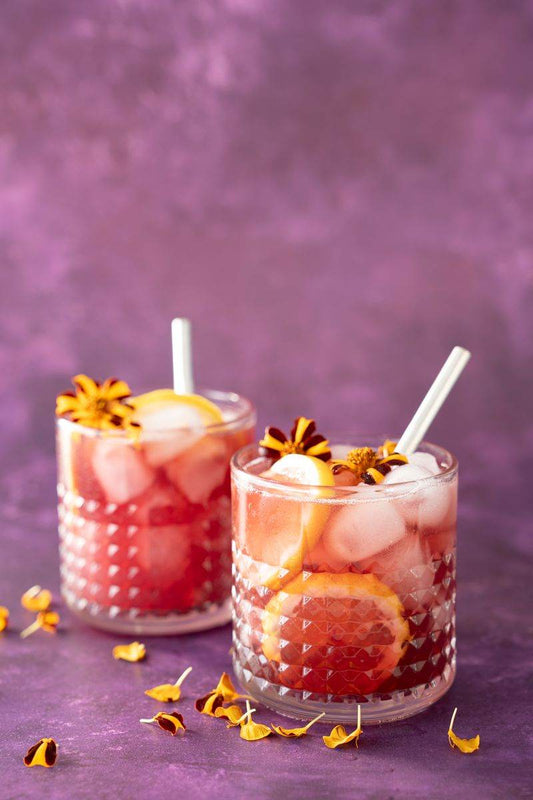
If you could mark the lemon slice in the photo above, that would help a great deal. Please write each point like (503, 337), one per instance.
(337, 613)
(280, 531)
(171, 423)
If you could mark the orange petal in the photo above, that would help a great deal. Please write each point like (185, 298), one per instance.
(41, 754)
(36, 599)
(464, 745)
(129, 652)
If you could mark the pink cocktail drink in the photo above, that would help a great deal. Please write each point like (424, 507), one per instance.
(344, 592)
(145, 522)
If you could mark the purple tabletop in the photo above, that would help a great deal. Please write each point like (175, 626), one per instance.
(336, 194)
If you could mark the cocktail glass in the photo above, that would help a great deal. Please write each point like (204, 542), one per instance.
(344, 595)
(145, 526)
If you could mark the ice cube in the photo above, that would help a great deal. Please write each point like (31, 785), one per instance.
(168, 430)
(121, 470)
(360, 530)
(200, 469)
(164, 553)
(425, 460)
(427, 505)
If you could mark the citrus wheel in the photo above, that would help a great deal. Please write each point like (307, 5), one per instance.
(171, 423)
(330, 633)
(278, 529)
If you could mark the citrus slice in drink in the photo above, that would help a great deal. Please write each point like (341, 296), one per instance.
(281, 529)
(334, 633)
(170, 422)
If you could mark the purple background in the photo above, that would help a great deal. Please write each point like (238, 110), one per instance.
(336, 193)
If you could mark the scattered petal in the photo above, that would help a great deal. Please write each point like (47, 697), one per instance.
(42, 754)
(339, 737)
(464, 745)
(233, 714)
(172, 722)
(36, 599)
(226, 688)
(209, 703)
(168, 692)
(47, 620)
(295, 733)
(252, 731)
(130, 652)
(224, 692)
(4, 618)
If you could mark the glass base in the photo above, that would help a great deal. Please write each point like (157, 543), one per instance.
(146, 624)
(374, 710)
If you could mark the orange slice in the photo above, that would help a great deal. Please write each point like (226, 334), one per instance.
(171, 423)
(334, 633)
(281, 530)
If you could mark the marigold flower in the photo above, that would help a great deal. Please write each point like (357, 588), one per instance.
(98, 405)
(303, 440)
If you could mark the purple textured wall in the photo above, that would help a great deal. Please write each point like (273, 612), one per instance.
(336, 193)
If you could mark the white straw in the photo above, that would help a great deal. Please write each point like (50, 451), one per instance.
(430, 405)
(182, 356)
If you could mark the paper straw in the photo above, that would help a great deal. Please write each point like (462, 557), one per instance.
(430, 405)
(182, 356)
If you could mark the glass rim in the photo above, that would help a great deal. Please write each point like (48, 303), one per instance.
(247, 415)
(344, 494)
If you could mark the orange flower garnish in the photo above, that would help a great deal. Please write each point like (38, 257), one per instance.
(357, 461)
(464, 745)
(47, 620)
(303, 440)
(36, 599)
(224, 692)
(338, 735)
(168, 692)
(295, 733)
(42, 754)
(129, 652)
(252, 731)
(4, 618)
(233, 714)
(172, 722)
(98, 405)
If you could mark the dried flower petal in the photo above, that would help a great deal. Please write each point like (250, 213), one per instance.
(172, 722)
(42, 754)
(294, 733)
(136, 651)
(168, 692)
(96, 405)
(209, 703)
(226, 688)
(4, 618)
(253, 731)
(339, 737)
(233, 714)
(464, 745)
(36, 599)
(303, 440)
(47, 620)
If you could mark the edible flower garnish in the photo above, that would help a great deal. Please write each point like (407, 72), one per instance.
(303, 440)
(36, 599)
(136, 651)
(464, 745)
(357, 461)
(295, 733)
(224, 692)
(4, 618)
(387, 448)
(233, 714)
(172, 722)
(338, 735)
(98, 405)
(168, 692)
(42, 754)
(252, 731)
(382, 467)
(47, 620)
(366, 465)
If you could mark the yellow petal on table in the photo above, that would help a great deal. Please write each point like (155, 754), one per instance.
(295, 733)
(41, 754)
(209, 703)
(47, 620)
(129, 652)
(36, 599)
(4, 618)
(234, 715)
(339, 736)
(252, 731)
(172, 722)
(464, 745)
(168, 692)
